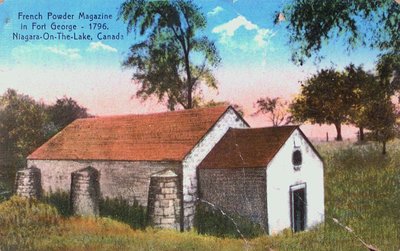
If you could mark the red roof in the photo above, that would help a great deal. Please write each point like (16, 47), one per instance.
(247, 148)
(152, 137)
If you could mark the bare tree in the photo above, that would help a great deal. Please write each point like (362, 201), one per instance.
(276, 109)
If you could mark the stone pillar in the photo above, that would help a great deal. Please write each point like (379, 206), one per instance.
(164, 205)
(85, 192)
(28, 183)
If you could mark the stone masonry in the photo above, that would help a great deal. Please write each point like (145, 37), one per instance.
(239, 191)
(119, 179)
(85, 192)
(164, 201)
(197, 154)
(28, 183)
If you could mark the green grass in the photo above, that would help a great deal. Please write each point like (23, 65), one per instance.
(120, 210)
(210, 221)
(362, 191)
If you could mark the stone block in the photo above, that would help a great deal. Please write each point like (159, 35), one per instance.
(168, 190)
(171, 196)
(158, 211)
(165, 203)
(160, 196)
(167, 220)
(169, 211)
(170, 185)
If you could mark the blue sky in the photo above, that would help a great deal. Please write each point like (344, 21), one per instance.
(255, 56)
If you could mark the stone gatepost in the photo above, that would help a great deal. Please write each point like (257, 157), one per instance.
(164, 205)
(85, 192)
(28, 183)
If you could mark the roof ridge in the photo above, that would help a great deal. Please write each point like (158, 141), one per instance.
(265, 127)
(225, 107)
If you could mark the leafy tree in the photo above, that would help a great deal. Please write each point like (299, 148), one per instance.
(276, 108)
(64, 111)
(364, 86)
(22, 127)
(382, 122)
(311, 23)
(213, 103)
(388, 68)
(324, 99)
(170, 62)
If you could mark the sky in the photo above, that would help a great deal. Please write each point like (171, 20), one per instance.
(255, 56)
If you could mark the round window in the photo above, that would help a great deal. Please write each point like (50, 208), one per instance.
(297, 159)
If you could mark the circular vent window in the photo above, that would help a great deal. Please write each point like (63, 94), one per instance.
(297, 159)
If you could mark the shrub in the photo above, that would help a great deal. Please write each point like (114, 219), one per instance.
(20, 212)
(5, 192)
(23, 220)
(119, 209)
(211, 221)
(7, 177)
(61, 201)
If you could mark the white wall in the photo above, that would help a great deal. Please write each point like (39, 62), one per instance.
(281, 175)
(198, 153)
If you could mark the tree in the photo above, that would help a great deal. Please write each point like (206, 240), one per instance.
(213, 103)
(388, 68)
(165, 61)
(364, 86)
(22, 127)
(382, 122)
(276, 108)
(312, 23)
(64, 111)
(324, 99)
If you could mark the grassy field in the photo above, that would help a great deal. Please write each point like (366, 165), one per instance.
(362, 192)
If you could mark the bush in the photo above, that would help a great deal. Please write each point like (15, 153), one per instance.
(119, 209)
(211, 221)
(20, 212)
(5, 192)
(23, 220)
(7, 177)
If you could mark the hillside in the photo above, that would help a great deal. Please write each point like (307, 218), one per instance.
(362, 192)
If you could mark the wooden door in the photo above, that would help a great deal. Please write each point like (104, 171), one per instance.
(298, 208)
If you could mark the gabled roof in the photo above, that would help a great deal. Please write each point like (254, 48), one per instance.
(247, 148)
(167, 136)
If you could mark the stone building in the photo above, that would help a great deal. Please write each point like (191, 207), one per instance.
(128, 150)
(273, 176)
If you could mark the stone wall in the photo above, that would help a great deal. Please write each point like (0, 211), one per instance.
(85, 192)
(240, 191)
(118, 179)
(198, 153)
(164, 206)
(28, 182)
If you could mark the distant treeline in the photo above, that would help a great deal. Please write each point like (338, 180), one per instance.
(25, 124)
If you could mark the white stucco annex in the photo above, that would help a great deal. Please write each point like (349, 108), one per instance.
(273, 176)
